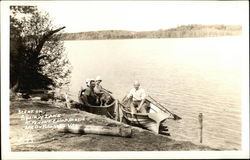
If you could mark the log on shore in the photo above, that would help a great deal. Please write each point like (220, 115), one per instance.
(101, 130)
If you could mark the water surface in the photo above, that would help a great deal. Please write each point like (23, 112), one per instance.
(189, 76)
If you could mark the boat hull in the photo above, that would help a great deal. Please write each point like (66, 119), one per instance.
(154, 121)
(106, 110)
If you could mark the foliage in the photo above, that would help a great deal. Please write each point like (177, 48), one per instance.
(37, 57)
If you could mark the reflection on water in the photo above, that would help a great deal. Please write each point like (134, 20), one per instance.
(189, 76)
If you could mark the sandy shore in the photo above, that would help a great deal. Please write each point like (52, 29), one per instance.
(33, 128)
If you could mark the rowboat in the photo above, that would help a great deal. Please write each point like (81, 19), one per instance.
(155, 120)
(107, 110)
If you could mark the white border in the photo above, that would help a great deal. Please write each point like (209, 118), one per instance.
(244, 153)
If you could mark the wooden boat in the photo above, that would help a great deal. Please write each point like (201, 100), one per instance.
(154, 120)
(107, 110)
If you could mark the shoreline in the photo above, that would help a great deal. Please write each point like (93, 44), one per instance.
(183, 31)
(49, 139)
(72, 40)
(150, 38)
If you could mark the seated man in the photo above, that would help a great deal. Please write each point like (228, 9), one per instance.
(87, 82)
(138, 96)
(98, 88)
(103, 95)
(82, 90)
(89, 97)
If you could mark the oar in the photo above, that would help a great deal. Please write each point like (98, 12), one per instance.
(107, 91)
(175, 116)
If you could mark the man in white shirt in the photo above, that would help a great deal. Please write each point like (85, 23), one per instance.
(138, 96)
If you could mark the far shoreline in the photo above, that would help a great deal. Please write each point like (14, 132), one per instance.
(229, 36)
(184, 31)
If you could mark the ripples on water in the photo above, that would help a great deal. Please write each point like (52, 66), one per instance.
(189, 76)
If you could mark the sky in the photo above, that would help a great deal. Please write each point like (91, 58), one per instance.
(140, 16)
(80, 16)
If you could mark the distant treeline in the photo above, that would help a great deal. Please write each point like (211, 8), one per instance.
(178, 32)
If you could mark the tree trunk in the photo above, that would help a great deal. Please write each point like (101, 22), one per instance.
(45, 38)
(15, 87)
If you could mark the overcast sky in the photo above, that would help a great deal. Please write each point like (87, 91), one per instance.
(138, 16)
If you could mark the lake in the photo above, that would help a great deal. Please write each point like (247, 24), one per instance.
(187, 75)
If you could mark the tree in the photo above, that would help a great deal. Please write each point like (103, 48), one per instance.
(37, 58)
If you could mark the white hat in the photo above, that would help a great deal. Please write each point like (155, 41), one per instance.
(98, 78)
(87, 80)
(136, 83)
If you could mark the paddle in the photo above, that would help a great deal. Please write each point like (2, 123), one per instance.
(107, 91)
(175, 116)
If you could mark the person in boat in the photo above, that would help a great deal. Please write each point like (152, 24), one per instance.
(87, 82)
(81, 92)
(98, 88)
(138, 96)
(103, 95)
(89, 97)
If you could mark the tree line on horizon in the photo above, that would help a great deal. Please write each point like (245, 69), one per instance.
(183, 31)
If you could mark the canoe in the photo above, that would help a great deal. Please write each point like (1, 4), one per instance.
(107, 110)
(155, 120)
